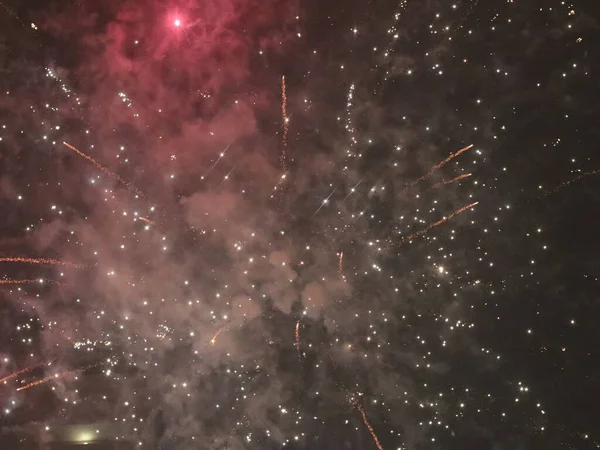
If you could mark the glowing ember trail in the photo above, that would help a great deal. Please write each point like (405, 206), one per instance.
(438, 166)
(49, 261)
(148, 221)
(35, 383)
(19, 372)
(341, 265)
(458, 178)
(105, 170)
(564, 184)
(285, 123)
(439, 222)
(297, 335)
(366, 422)
(29, 281)
(213, 341)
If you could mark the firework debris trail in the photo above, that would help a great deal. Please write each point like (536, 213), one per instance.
(9, 281)
(148, 221)
(437, 167)
(341, 265)
(19, 372)
(297, 336)
(285, 124)
(444, 182)
(106, 171)
(213, 341)
(48, 261)
(439, 222)
(366, 421)
(564, 184)
(56, 376)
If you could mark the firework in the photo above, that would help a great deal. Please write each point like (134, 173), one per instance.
(148, 221)
(297, 336)
(438, 166)
(47, 261)
(19, 372)
(564, 184)
(439, 222)
(40, 281)
(341, 265)
(366, 422)
(213, 341)
(105, 170)
(286, 120)
(444, 182)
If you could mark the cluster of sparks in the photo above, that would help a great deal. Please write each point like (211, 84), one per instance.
(362, 260)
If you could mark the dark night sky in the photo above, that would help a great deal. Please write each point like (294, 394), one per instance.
(215, 304)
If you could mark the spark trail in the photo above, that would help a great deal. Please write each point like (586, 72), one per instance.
(564, 184)
(341, 265)
(47, 261)
(297, 336)
(106, 170)
(213, 341)
(453, 180)
(286, 120)
(366, 422)
(439, 222)
(9, 281)
(437, 167)
(19, 372)
(148, 221)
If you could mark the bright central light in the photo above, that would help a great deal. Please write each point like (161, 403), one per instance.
(177, 22)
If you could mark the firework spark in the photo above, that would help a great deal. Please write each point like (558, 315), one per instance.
(564, 184)
(341, 265)
(366, 422)
(444, 182)
(439, 222)
(40, 281)
(213, 341)
(47, 261)
(106, 170)
(297, 336)
(19, 372)
(148, 221)
(286, 120)
(438, 166)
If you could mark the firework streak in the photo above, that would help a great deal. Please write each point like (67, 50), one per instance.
(297, 336)
(29, 281)
(148, 221)
(341, 265)
(366, 422)
(458, 178)
(19, 372)
(564, 184)
(439, 222)
(49, 261)
(105, 170)
(219, 331)
(438, 166)
(285, 123)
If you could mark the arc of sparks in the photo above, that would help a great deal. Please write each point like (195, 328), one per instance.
(285, 123)
(297, 336)
(213, 341)
(366, 422)
(35, 383)
(48, 261)
(453, 180)
(19, 372)
(439, 222)
(106, 170)
(564, 184)
(148, 221)
(56, 376)
(10, 281)
(438, 166)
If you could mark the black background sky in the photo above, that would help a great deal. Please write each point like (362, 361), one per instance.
(517, 79)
